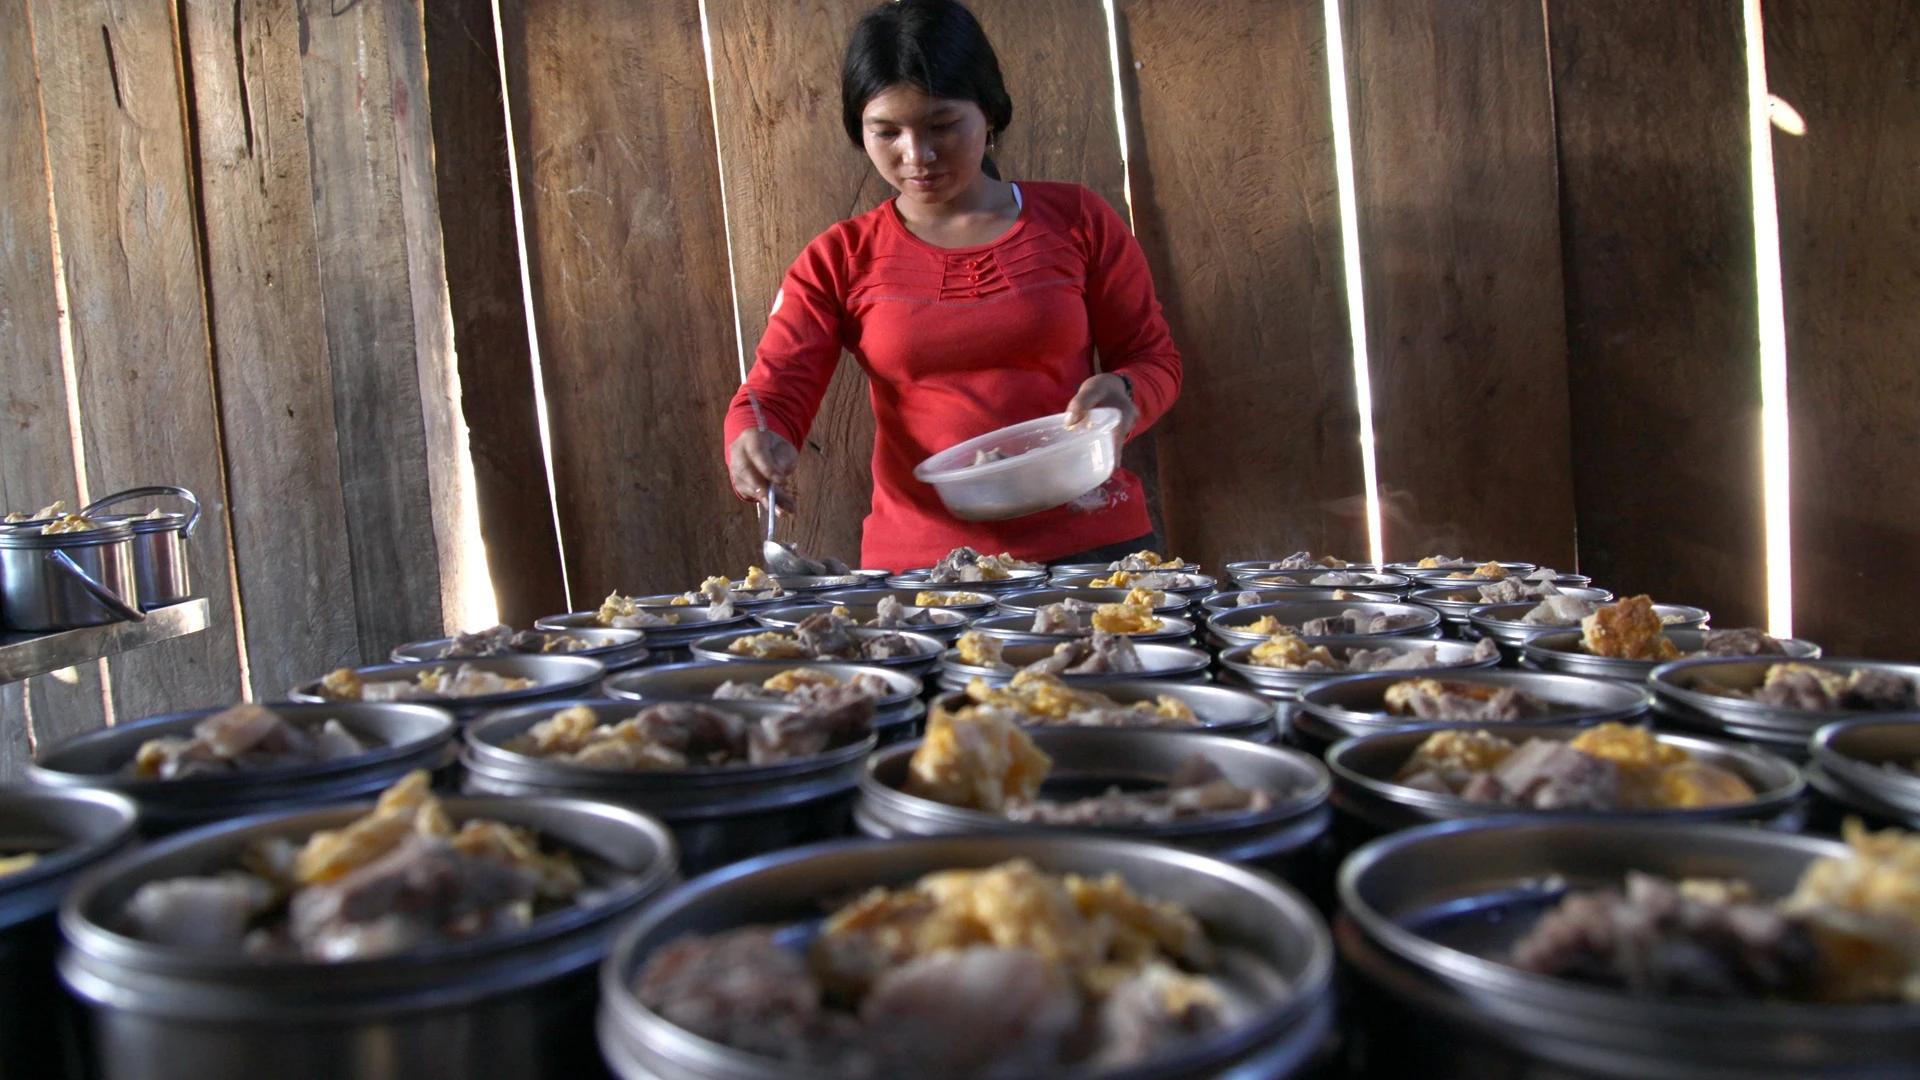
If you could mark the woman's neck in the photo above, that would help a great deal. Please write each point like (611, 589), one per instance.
(978, 215)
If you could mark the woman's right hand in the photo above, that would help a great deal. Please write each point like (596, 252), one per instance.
(758, 458)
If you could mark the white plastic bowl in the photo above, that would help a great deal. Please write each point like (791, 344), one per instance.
(1047, 465)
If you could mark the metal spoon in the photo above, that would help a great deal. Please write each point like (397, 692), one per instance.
(780, 558)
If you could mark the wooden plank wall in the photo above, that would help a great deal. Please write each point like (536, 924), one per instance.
(628, 268)
(1662, 324)
(790, 173)
(1849, 202)
(1261, 457)
(1454, 165)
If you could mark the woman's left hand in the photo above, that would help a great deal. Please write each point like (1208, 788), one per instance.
(1107, 390)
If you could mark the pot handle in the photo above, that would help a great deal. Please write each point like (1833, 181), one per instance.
(193, 516)
(106, 597)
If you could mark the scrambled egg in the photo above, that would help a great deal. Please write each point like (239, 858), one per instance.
(794, 678)
(1655, 775)
(1097, 932)
(1125, 619)
(1462, 751)
(1119, 579)
(616, 606)
(980, 650)
(68, 523)
(757, 580)
(1865, 911)
(772, 645)
(1146, 598)
(1400, 695)
(1154, 560)
(929, 598)
(977, 758)
(1046, 697)
(57, 509)
(1284, 650)
(576, 735)
(1629, 630)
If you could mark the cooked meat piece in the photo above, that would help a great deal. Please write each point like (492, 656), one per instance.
(1247, 599)
(886, 646)
(980, 1011)
(244, 737)
(1629, 630)
(746, 691)
(494, 641)
(741, 988)
(1339, 578)
(1196, 788)
(978, 758)
(1097, 654)
(1066, 617)
(1543, 573)
(963, 564)
(198, 912)
(1877, 690)
(333, 741)
(1158, 1005)
(825, 635)
(1354, 622)
(1558, 610)
(891, 614)
(1801, 686)
(1304, 560)
(1665, 939)
(1513, 590)
(839, 715)
(693, 729)
(534, 641)
(1549, 775)
(720, 610)
(1142, 562)
(420, 890)
(1432, 699)
(1744, 641)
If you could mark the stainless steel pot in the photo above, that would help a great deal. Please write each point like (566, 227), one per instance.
(553, 677)
(948, 625)
(1430, 912)
(1288, 682)
(1356, 705)
(1229, 628)
(1414, 568)
(1682, 694)
(926, 652)
(514, 1006)
(1176, 663)
(159, 543)
(68, 580)
(71, 831)
(1221, 710)
(1016, 628)
(1364, 789)
(1029, 601)
(1560, 650)
(1240, 909)
(1439, 580)
(1869, 763)
(1088, 762)
(896, 715)
(718, 814)
(617, 649)
(403, 737)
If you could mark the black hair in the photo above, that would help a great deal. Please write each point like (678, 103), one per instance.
(935, 45)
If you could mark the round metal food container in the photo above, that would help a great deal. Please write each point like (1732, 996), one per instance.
(1029, 601)
(1560, 650)
(1457, 605)
(1451, 656)
(67, 580)
(926, 652)
(159, 543)
(617, 649)
(1871, 763)
(1364, 789)
(665, 644)
(806, 584)
(1013, 582)
(403, 736)
(1199, 585)
(517, 1005)
(1355, 704)
(70, 831)
(1228, 628)
(1221, 710)
(1678, 694)
(1241, 568)
(948, 625)
(1089, 762)
(1414, 569)
(718, 814)
(1240, 909)
(895, 716)
(1363, 580)
(871, 597)
(1177, 663)
(553, 676)
(1055, 570)
(1433, 580)
(1431, 912)
(1227, 601)
(1016, 628)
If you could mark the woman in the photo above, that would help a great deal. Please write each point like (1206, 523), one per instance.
(970, 302)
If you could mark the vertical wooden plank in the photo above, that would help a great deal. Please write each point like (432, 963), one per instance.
(489, 313)
(629, 275)
(111, 87)
(1237, 207)
(1459, 232)
(37, 465)
(397, 457)
(1849, 206)
(791, 173)
(1663, 340)
(16, 740)
(269, 339)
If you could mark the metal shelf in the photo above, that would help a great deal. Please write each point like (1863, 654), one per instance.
(25, 655)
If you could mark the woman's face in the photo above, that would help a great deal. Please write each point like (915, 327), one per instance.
(928, 148)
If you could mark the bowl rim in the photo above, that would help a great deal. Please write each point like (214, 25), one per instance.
(1102, 420)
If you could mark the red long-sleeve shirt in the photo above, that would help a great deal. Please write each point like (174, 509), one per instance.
(957, 342)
